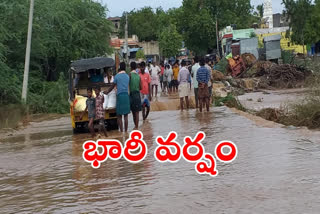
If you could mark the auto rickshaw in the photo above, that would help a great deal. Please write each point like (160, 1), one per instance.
(84, 74)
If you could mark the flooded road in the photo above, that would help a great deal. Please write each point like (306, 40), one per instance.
(277, 170)
(272, 98)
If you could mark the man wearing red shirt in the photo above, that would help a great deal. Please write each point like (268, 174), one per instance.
(145, 91)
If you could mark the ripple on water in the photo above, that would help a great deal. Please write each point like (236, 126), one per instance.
(276, 171)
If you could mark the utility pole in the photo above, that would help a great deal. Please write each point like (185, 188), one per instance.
(217, 34)
(27, 59)
(126, 38)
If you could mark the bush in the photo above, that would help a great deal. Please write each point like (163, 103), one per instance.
(10, 86)
(288, 57)
(222, 65)
(307, 113)
(140, 54)
(230, 101)
(53, 98)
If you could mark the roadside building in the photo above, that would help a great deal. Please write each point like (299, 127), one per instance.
(285, 42)
(116, 23)
(120, 50)
(279, 20)
(151, 50)
(233, 38)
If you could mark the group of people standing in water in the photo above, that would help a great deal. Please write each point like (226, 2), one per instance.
(137, 88)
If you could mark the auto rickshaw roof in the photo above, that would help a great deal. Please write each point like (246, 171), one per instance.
(94, 63)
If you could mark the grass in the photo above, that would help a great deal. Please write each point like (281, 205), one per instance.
(230, 101)
(305, 112)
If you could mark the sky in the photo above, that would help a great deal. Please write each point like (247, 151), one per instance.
(117, 7)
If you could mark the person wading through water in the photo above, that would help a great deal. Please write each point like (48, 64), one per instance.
(183, 77)
(100, 113)
(203, 77)
(121, 80)
(155, 72)
(135, 98)
(194, 71)
(145, 91)
(91, 108)
(175, 83)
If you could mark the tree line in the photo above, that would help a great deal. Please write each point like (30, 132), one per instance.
(304, 19)
(63, 30)
(194, 23)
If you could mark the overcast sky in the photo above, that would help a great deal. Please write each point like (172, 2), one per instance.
(117, 7)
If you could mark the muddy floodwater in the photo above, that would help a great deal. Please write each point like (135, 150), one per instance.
(277, 170)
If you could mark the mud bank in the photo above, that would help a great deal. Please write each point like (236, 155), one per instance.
(11, 116)
(292, 107)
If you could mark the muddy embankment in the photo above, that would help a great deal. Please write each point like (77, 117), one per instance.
(11, 116)
(14, 117)
(288, 94)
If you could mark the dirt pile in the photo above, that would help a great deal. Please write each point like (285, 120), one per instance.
(283, 76)
(271, 114)
(248, 59)
(218, 76)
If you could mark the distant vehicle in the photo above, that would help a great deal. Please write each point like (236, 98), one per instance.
(79, 82)
(211, 57)
(183, 55)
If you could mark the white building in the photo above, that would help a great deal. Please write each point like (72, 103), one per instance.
(268, 13)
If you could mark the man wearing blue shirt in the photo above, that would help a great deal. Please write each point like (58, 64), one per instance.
(203, 77)
(121, 80)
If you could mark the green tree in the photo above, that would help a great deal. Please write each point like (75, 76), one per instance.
(69, 30)
(197, 26)
(299, 13)
(198, 20)
(140, 54)
(63, 30)
(313, 24)
(238, 12)
(170, 41)
(142, 23)
(260, 10)
(148, 24)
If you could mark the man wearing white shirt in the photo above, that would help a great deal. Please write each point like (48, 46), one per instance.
(155, 72)
(194, 70)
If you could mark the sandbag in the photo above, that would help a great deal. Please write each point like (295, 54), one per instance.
(106, 100)
(79, 103)
(112, 100)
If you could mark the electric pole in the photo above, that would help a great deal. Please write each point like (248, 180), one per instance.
(217, 34)
(126, 38)
(217, 28)
(27, 59)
